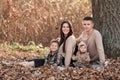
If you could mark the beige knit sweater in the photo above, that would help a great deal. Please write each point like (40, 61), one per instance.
(94, 45)
(70, 47)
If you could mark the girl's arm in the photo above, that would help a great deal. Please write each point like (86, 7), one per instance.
(87, 58)
(75, 57)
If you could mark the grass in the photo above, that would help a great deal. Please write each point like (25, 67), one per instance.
(30, 47)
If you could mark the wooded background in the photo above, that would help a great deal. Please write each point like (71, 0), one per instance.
(39, 20)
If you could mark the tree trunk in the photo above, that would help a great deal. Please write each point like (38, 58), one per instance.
(106, 15)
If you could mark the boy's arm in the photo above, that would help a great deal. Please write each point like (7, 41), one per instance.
(59, 60)
(62, 54)
(46, 59)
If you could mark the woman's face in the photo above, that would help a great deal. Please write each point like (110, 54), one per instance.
(65, 29)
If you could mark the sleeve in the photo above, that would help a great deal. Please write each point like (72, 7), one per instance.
(80, 38)
(87, 57)
(46, 59)
(59, 60)
(100, 49)
(70, 46)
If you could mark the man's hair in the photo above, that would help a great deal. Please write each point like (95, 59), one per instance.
(88, 18)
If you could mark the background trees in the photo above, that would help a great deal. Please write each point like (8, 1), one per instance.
(39, 20)
(106, 14)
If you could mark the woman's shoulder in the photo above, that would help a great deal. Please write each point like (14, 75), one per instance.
(71, 40)
(71, 37)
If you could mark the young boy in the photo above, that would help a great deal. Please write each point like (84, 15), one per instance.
(82, 56)
(52, 58)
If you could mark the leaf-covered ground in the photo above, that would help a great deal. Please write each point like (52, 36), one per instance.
(12, 71)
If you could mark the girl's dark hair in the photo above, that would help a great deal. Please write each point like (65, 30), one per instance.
(62, 36)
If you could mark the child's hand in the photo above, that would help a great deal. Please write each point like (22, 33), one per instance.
(62, 54)
(74, 57)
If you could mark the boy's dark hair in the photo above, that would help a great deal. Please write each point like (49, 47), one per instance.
(88, 18)
(54, 41)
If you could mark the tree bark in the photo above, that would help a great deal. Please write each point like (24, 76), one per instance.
(106, 14)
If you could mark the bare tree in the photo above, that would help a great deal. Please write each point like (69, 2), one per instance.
(106, 15)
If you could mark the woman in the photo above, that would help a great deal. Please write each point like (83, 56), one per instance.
(67, 42)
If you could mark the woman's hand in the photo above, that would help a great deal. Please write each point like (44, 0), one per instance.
(74, 57)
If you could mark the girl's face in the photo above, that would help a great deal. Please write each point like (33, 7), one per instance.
(87, 25)
(83, 49)
(54, 47)
(65, 29)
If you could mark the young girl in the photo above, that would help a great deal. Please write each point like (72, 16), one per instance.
(82, 56)
(52, 58)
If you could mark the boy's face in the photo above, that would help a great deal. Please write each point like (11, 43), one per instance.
(87, 25)
(54, 47)
(83, 49)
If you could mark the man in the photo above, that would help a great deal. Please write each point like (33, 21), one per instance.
(93, 40)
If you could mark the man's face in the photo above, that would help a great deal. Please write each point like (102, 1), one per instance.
(87, 25)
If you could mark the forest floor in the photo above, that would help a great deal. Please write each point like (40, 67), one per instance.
(9, 70)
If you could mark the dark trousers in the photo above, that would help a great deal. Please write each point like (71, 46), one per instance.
(38, 62)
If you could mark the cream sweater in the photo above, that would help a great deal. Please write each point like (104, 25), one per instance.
(70, 47)
(94, 45)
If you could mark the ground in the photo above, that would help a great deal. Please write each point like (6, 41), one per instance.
(9, 70)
